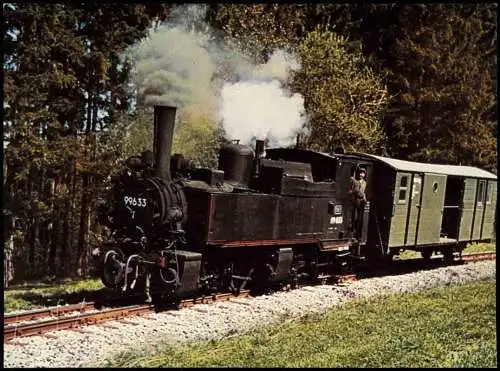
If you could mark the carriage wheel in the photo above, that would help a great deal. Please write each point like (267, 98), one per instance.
(448, 255)
(426, 253)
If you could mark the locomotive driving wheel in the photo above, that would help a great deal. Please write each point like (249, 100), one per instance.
(113, 270)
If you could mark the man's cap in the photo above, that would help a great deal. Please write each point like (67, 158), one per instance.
(362, 169)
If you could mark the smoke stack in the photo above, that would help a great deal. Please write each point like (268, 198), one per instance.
(259, 148)
(164, 122)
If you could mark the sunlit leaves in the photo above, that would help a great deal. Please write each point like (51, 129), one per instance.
(344, 99)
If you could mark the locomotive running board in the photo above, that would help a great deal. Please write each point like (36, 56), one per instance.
(324, 245)
(297, 241)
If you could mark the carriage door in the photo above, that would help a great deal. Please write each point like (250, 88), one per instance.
(414, 207)
(431, 209)
(399, 209)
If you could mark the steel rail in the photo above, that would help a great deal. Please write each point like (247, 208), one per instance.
(47, 312)
(30, 329)
(479, 256)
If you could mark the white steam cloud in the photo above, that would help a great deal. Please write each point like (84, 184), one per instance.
(181, 64)
(262, 111)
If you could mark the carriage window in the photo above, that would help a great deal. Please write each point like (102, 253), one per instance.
(404, 181)
(417, 181)
(480, 193)
(403, 189)
(489, 193)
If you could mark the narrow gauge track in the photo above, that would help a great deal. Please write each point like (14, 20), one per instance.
(479, 256)
(14, 328)
(405, 266)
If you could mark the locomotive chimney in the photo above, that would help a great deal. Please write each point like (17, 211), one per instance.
(164, 122)
(259, 148)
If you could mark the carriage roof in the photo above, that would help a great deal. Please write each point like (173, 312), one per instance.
(420, 167)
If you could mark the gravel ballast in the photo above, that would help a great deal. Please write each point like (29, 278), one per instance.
(212, 321)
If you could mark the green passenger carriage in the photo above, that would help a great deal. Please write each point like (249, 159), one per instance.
(434, 208)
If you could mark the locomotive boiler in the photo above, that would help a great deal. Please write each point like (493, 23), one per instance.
(263, 217)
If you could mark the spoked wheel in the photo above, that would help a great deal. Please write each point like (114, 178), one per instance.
(426, 254)
(344, 263)
(237, 284)
(113, 270)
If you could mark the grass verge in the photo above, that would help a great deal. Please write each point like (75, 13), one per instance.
(69, 292)
(446, 327)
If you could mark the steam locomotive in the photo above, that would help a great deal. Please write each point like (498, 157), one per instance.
(264, 217)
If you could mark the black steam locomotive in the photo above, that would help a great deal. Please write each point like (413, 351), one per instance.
(255, 219)
(273, 216)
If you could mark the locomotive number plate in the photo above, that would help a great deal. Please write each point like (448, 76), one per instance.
(134, 201)
(336, 220)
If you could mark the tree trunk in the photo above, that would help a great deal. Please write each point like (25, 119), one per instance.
(8, 267)
(85, 205)
(33, 230)
(69, 206)
(55, 225)
(83, 229)
(42, 228)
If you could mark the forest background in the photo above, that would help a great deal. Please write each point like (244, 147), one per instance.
(411, 81)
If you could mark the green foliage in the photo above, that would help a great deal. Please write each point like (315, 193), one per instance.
(413, 330)
(133, 134)
(344, 99)
(480, 247)
(440, 60)
(441, 65)
(65, 86)
(20, 298)
(446, 91)
(258, 29)
(196, 137)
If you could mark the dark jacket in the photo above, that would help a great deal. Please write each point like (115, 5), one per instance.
(357, 191)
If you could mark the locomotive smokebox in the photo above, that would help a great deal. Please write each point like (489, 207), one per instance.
(237, 161)
(164, 122)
